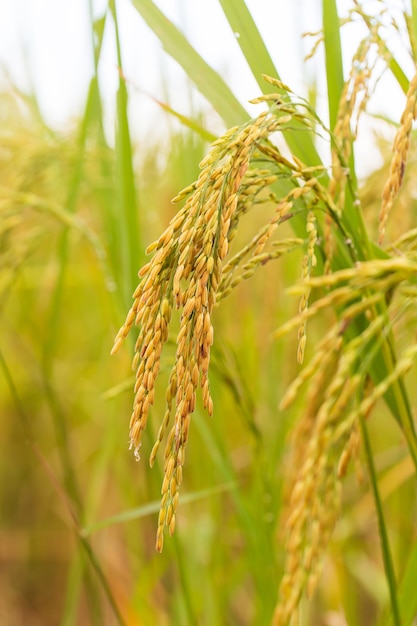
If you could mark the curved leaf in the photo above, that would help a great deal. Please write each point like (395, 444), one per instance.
(208, 81)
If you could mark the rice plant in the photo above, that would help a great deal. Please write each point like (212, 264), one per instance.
(272, 331)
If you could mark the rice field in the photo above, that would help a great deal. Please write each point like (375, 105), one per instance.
(256, 288)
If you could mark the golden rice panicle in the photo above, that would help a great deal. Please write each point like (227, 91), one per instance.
(354, 97)
(314, 502)
(185, 273)
(196, 282)
(317, 39)
(283, 209)
(316, 369)
(350, 452)
(309, 262)
(231, 279)
(350, 107)
(399, 158)
(325, 439)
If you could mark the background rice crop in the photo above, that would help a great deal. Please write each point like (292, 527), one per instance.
(298, 493)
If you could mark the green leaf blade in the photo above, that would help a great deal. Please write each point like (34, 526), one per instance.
(250, 41)
(208, 81)
(333, 58)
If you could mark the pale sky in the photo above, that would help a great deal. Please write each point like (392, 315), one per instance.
(46, 44)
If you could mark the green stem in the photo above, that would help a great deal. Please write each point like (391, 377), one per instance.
(184, 581)
(396, 398)
(103, 580)
(386, 552)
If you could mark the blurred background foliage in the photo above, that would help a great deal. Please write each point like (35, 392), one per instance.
(78, 514)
